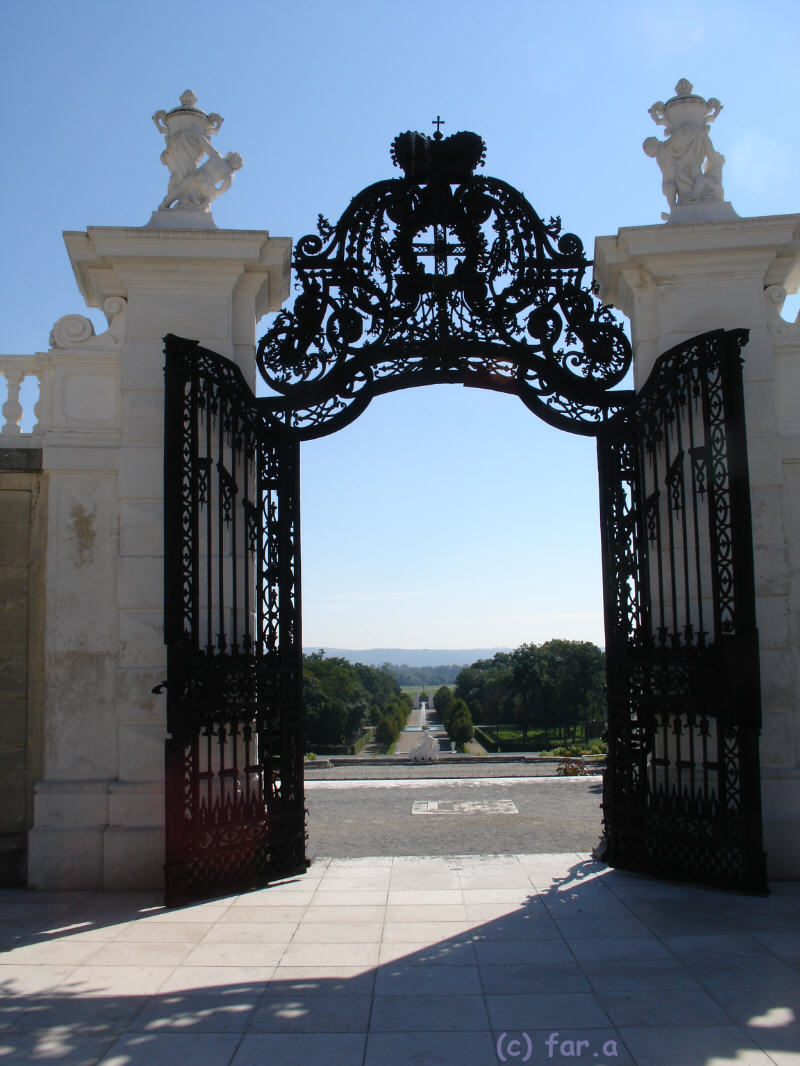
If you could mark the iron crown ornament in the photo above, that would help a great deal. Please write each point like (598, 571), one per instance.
(442, 275)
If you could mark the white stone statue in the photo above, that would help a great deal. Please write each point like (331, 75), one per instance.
(427, 750)
(188, 130)
(691, 168)
(200, 187)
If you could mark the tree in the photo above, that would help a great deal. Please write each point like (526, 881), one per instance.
(442, 698)
(325, 720)
(380, 687)
(578, 669)
(386, 732)
(459, 723)
(560, 684)
(335, 702)
(529, 680)
(398, 710)
(485, 684)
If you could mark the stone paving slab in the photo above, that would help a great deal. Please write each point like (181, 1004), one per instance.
(457, 959)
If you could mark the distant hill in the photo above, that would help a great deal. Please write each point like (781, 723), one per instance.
(411, 656)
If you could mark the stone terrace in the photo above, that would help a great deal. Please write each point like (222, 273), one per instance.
(365, 962)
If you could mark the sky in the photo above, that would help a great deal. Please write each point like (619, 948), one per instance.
(443, 517)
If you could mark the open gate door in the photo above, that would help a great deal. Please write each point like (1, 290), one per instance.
(681, 796)
(235, 814)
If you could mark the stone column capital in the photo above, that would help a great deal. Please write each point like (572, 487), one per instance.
(705, 254)
(117, 261)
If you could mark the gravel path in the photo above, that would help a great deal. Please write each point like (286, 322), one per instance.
(374, 817)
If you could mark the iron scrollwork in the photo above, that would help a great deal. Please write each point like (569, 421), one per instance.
(442, 276)
(235, 813)
(681, 793)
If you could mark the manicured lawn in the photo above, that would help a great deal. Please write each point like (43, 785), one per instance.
(537, 740)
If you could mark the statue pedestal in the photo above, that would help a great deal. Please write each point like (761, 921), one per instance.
(674, 282)
(99, 807)
(705, 211)
(174, 218)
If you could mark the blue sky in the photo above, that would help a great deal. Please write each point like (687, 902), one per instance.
(443, 517)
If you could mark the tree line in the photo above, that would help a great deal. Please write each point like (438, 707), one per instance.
(557, 686)
(455, 716)
(423, 675)
(342, 698)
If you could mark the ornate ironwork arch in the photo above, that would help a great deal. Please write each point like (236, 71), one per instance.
(442, 276)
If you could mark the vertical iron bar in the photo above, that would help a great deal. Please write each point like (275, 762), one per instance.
(684, 395)
(222, 643)
(234, 541)
(246, 502)
(660, 639)
(209, 524)
(694, 452)
(671, 532)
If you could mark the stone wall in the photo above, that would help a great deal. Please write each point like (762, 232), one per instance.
(99, 794)
(23, 511)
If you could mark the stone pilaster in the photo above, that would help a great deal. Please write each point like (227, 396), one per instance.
(674, 282)
(99, 807)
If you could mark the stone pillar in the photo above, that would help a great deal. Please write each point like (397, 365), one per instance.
(99, 810)
(673, 282)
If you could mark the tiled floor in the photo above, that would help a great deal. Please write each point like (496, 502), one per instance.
(364, 962)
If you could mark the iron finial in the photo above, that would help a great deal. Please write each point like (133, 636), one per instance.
(438, 123)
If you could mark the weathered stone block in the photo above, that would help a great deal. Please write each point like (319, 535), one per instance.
(760, 406)
(772, 620)
(766, 509)
(13, 722)
(773, 577)
(65, 803)
(140, 582)
(141, 473)
(778, 678)
(61, 859)
(13, 792)
(141, 527)
(14, 633)
(201, 314)
(141, 751)
(143, 418)
(134, 697)
(143, 366)
(781, 833)
(133, 859)
(141, 635)
(13, 671)
(13, 588)
(138, 803)
(764, 459)
(80, 735)
(778, 746)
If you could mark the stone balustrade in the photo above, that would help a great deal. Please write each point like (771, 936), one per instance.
(22, 379)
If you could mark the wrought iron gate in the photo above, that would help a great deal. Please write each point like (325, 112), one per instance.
(681, 796)
(234, 778)
(443, 276)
